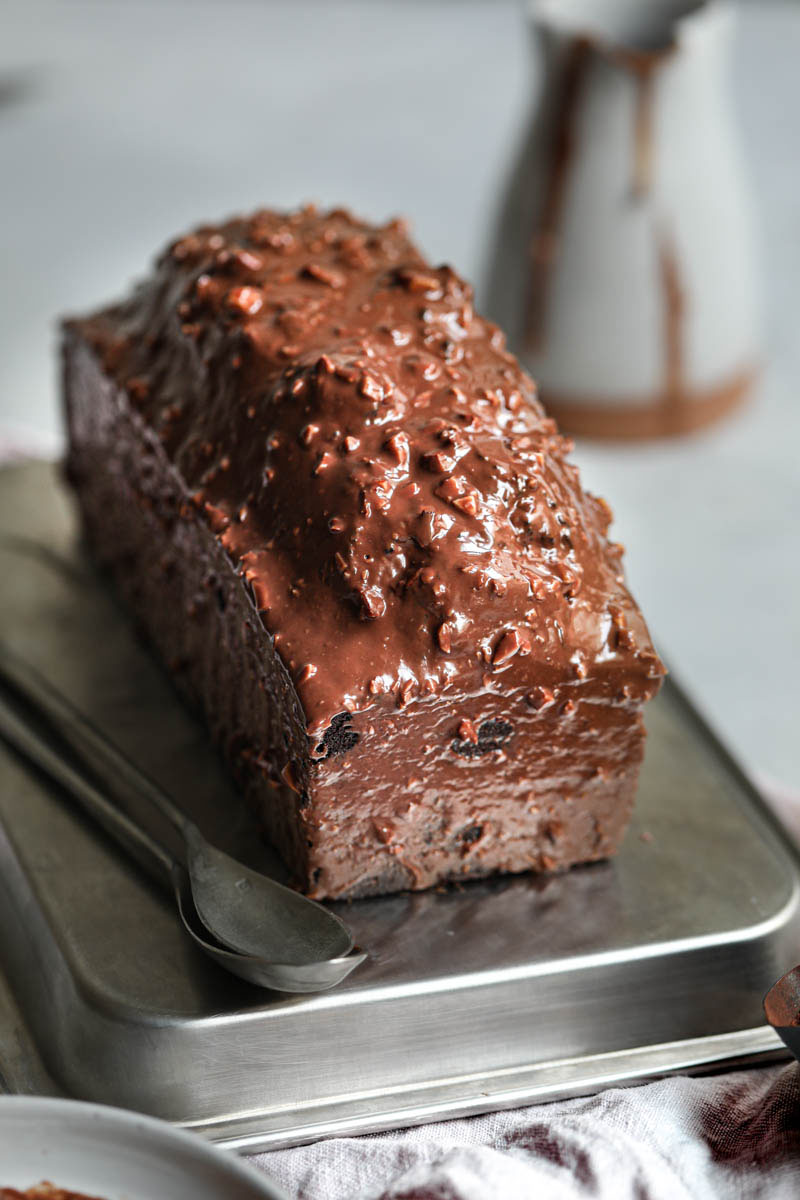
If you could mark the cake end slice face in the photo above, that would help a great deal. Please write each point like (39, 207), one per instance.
(337, 508)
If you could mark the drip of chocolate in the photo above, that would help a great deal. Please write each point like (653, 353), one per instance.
(545, 242)
(674, 308)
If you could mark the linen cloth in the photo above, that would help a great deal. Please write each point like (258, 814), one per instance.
(734, 1136)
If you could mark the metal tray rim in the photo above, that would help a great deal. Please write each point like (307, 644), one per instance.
(549, 1081)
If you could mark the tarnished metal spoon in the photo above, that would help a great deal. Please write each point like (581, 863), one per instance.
(247, 922)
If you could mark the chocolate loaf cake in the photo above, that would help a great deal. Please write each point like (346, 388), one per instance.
(332, 499)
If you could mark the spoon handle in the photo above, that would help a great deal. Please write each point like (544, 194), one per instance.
(109, 765)
(22, 733)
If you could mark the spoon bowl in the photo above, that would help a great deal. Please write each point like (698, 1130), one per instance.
(254, 915)
(303, 976)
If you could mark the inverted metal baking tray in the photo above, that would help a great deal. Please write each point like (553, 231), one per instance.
(495, 994)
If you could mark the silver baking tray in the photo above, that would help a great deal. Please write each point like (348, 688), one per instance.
(492, 995)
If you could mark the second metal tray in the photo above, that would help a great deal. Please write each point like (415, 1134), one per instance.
(493, 995)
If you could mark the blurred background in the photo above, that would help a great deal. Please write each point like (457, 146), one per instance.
(123, 124)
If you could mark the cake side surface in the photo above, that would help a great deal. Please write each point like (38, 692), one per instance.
(439, 671)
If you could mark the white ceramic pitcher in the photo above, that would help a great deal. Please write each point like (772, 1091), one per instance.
(624, 266)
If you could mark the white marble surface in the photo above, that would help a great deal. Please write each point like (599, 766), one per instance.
(121, 124)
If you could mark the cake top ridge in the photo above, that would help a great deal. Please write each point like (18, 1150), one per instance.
(375, 463)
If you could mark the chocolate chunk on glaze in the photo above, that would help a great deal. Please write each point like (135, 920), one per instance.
(370, 525)
(492, 735)
(339, 736)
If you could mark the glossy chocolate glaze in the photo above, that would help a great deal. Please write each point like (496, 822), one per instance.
(373, 467)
